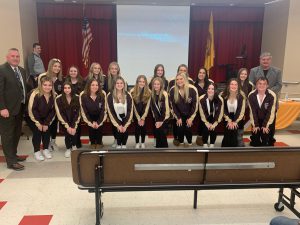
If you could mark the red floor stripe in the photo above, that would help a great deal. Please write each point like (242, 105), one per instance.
(2, 204)
(1, 180)
(280, 144)
(246, 139)
(2, 158)
(36, 220)
(85, 141)
(294, 131)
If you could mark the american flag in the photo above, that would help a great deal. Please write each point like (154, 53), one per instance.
(87, 38)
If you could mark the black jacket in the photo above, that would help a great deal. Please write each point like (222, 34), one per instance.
(10, 92)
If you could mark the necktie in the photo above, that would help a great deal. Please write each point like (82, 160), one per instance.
(19, 82)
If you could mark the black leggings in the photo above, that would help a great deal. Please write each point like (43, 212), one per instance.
(212, 134)
(208, 134)
(38, 136)
(53, 128)
(230, 138)
(70, 140)
(261, 139)
(140, 131)
(161, 138)
(121, 137)
(184, 130)
(95, 135)
(78, 136)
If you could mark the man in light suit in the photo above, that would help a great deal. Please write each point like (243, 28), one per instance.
(274, 77)
(12, 105)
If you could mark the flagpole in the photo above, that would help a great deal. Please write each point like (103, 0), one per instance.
(83, 8)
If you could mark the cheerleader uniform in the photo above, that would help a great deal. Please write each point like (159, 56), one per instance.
(77, 88)
(93, 111)
(172, 83)
(211, 111)
(68, 117)
(161, 112)
(199, 123)
(233, 112)
(40, 112)
(184, 110)
(262, 114)
(58, 88)
(141, 110)
(120, 115)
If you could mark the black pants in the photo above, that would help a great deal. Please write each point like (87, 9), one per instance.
(209, 134)
(114, 131)
(212, 134)
(272, 132)
(121, 137)
(261, 139)
(78, 136)
(95, 135)
(70, 140)
(161, 137)
(38, 136)
(140, 131)
(201, 126)
(53, 128)
(184, 131)
(175, 131)
(230, 138)
(10, 130)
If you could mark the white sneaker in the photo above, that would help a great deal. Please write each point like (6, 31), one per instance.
(137, 145)
(118, 147)
(38, 156)
(68, 153)
(205, 146)
(50, 147)
(124, 146)
(47, 154)
(114, 144)
(74, 147)
(54, 145)
(211, 145)
(143, 145)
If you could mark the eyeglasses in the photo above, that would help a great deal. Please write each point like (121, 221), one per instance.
(56, 60)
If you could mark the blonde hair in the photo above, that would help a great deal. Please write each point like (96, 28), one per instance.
(161, 88)
(114, 92)
(91, 74)
(110, 79)
(137, 90)
(40, 86)
(49, 72)
(186, 88)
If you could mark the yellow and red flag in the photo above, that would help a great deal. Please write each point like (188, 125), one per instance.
(210, 46)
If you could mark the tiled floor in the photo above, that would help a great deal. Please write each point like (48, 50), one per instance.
(44, 193)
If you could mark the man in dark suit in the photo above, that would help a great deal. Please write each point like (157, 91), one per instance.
(12, 105)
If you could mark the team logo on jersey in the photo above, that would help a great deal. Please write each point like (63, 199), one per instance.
(266, 105)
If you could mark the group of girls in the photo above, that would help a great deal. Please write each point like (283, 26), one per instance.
(72, 99)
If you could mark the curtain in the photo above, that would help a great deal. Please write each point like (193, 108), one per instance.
(59, 30)
(235, 29)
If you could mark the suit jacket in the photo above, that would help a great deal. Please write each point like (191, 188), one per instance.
(274, 76)
(10, 91)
